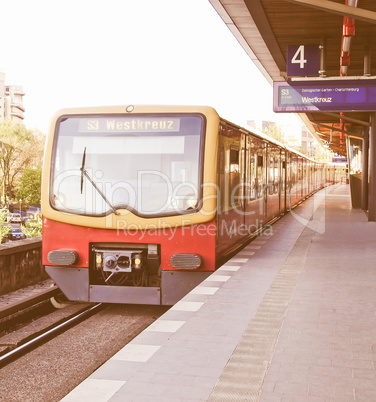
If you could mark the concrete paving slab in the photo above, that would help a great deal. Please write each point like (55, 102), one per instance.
(292, 317)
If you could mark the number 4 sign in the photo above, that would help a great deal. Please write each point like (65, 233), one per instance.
(303, 60)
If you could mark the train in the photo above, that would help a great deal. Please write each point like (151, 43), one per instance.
(140, 204)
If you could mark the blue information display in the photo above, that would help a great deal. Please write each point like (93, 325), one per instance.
(325, 95)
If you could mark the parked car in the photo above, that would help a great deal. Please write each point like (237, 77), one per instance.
(16, 234)
(14, 218)
(25, 220)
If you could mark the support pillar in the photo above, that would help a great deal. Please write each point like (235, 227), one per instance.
(365, 151)
(372, 170)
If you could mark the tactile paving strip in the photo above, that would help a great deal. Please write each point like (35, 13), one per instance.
(243, 376)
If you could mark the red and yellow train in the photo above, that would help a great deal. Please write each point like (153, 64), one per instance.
(140, 203)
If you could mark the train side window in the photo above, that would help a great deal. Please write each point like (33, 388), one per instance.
(283, 172)
(221, 179)
(260, 176)
(234, 159)
(234, 176)
(270, 174)
(253, 177)
(277, 172)
(229, 169)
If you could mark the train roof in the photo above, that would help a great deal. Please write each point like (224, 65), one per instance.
(207, 110)
(267, 138)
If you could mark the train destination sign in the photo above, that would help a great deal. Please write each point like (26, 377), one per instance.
(324, 95)
(130, 124)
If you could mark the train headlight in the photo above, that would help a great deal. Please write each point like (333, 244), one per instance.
(98, 260)
(62, 257)
(186, 261)
(137, 261)
(110, 262)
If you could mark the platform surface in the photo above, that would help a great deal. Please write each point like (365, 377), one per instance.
(292, 317)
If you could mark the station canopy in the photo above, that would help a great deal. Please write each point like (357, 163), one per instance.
(343, 34)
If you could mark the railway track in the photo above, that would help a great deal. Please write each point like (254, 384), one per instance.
(46, 334)
(19, 307)
(50, 371)
(20, 330)
(23, 306)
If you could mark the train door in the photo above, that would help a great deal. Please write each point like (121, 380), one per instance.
(320, 176)
(254, 203)
(230, 216)
(273, 182)
(282, 184)
(288, 181)
(243, 172)
(294, 180)
(300, 178)
(278, 177)
(249, 173)
(304, 178)
(262, 181)
(308, 177)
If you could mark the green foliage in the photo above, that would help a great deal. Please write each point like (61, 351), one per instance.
(33, 227)
(323, 155)
(30, 186)
(277, 133)
(274, 131)
(4, 227)
(20, 148)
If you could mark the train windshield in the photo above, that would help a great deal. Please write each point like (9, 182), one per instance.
(149, 164)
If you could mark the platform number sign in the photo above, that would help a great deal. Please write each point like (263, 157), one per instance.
(303, 60)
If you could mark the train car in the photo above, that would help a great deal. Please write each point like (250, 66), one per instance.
(141, 203)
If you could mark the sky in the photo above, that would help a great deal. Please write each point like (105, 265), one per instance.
(90, 53)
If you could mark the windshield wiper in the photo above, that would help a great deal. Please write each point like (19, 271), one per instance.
(86, 174)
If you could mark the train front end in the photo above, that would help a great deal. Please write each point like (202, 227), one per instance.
(129, 202)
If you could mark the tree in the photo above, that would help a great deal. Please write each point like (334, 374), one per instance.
(30, 186)
(4, 227)
(33, 228)
(274, 131)
(323, 155)
(19, 149)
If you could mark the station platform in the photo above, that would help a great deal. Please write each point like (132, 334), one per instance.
(292, 317)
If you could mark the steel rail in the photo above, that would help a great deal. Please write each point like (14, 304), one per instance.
(48, 334)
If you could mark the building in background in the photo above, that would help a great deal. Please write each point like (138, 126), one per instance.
(261, 125)
(302, 140)
(308, 143)
(2, 94)
(11, 101)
